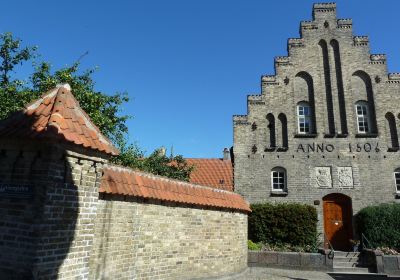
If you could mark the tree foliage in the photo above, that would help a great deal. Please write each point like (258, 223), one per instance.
(104, 109)
(157, 163)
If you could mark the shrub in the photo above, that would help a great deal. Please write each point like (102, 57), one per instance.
(381, 225)
(293, 224)
(253, 246)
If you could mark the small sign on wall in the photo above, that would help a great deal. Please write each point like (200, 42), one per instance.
(16, 191)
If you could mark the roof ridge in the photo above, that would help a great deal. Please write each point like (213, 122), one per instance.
(125, 181)
(207, 158)
(150, 175)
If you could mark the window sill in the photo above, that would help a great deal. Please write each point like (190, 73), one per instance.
(366, 135)
(279, 193)
(282, 149)
(308, 135)
(329, 135)
(342, 135)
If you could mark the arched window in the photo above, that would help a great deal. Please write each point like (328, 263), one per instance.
(397, 180)
(304, 120)
(278, 179)
(363, 117)
(271, 128)
(392, 132)
(284, 135)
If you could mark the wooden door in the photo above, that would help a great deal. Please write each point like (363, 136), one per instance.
(338, 221)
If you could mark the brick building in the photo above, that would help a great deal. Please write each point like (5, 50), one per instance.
(324, 130)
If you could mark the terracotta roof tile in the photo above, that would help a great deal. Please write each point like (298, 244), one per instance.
(212, 172)
(120, 180)
(57, 114)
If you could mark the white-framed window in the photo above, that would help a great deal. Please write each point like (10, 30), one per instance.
(304, 118)
(362, 112)
(397, 180)
(278, 179)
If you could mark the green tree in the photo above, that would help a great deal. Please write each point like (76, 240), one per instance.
(104, 109)
(157, 163)
(12, 54)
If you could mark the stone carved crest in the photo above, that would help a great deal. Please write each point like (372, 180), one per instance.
(345, 176)
(323, 176)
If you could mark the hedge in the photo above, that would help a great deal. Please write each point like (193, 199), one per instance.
(380, 224)
(290, 223)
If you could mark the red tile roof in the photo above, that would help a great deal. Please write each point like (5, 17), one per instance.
(57, 114)
(120, 180)
(213, 172)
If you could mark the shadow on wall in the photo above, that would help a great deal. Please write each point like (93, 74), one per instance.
(102, 238)
(38, 211)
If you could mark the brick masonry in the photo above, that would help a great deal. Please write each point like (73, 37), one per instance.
(331, 69)
(136, 239)
(46, 230)
(54, 226)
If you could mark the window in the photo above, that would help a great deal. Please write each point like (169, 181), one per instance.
(278, 179)
(304, 118)
(362, 117)
(397, 179)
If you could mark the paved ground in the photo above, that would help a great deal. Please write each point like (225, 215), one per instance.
(259, 273)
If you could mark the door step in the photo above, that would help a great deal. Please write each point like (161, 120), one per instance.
(351, 269)
(346, 254)
(349, 262)
(357, 276)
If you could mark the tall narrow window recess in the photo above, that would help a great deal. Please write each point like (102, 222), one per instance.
(271, 131)
(284, 136)
(397, 181)
(363, 119)
(278, 181)
(304, 120)
(391, 133)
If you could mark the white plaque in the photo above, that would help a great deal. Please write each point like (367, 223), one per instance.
(323, 177)
(345, 176)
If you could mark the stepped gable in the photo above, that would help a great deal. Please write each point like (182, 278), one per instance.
(57, 115)
(212, 172)
(124, 181)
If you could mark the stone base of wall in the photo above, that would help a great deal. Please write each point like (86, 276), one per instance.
(290, 260)
(385, 264)
(391, 265)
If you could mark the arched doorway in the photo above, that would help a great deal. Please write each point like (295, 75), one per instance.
(338, 221)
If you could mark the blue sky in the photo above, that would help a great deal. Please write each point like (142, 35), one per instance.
(186, 65)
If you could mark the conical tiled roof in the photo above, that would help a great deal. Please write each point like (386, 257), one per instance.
(57, 115)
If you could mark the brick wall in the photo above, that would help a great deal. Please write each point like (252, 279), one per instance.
(66, 229)
(59, 229)
(136, 239)
(46, 231)
(18, 215)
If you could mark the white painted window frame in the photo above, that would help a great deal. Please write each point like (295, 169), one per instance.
(397, 184)
(279, 172)
(304, 118)
(365, 118)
